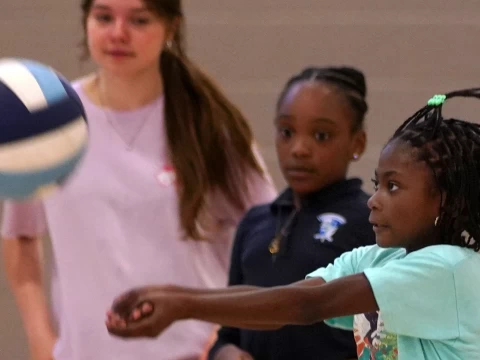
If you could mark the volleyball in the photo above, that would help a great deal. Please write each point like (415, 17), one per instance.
(43, 129)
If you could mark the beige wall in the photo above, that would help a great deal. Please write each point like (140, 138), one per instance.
(409, 49)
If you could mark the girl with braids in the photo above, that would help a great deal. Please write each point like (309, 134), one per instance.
(419, 277)
(169, 172)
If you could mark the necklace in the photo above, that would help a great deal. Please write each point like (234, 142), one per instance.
(129, 143)
(274, 246)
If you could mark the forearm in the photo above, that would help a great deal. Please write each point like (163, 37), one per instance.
(237, 289)
(23, 261)
(202, 291)
(245, 288)
(266, 308)
(295, 304)
(302, 283)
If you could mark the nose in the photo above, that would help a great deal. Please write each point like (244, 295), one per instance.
(374, 202)
(301, 148)
(119, 31)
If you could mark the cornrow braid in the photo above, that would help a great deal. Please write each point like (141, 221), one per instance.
(347, 79)
(451, 148)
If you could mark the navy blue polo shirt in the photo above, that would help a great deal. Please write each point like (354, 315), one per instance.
(329, 222)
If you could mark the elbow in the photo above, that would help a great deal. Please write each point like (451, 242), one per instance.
(310, 308)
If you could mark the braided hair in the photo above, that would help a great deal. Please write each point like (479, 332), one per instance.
(348, 80)
(451, 149)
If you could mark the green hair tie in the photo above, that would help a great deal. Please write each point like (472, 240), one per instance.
(437, 100)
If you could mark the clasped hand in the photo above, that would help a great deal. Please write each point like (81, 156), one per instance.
(143, 312)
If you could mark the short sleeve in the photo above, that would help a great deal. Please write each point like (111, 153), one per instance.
(416, 296)
(25, 218)
(346, 264)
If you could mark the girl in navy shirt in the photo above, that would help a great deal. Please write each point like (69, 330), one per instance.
(321, 214)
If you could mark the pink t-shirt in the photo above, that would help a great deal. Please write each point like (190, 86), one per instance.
(114, 226)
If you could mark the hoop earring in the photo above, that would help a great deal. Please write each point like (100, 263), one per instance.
(436, 220)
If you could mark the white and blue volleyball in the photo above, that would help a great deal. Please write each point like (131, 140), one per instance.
(43, 129)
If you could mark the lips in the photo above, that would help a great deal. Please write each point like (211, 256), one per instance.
(378, 226)
(299, 174)
(119, 53)
(299, 170)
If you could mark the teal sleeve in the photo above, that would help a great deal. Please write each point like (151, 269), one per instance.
(416, 296)
(344, 265)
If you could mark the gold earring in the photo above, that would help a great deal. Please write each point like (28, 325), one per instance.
(436, 220)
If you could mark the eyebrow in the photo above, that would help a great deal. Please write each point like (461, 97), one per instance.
(319, 120)
(325, 120)
(386, 173)
(106, 7)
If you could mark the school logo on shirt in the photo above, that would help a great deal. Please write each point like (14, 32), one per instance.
(329, 224)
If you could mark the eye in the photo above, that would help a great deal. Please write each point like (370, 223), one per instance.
(140, 21)
(392, 186)
(285, 132)
(375, 184)
(322, 136)
(103, 18)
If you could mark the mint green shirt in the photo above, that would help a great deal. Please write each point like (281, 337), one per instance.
(429, 302)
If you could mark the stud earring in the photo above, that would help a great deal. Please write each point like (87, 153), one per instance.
(168, 44)
(355, 156)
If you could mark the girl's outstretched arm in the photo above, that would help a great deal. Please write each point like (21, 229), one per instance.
(146, 312)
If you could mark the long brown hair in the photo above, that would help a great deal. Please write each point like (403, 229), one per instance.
(209, 139)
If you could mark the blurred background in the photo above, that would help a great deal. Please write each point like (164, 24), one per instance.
(408, 50)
